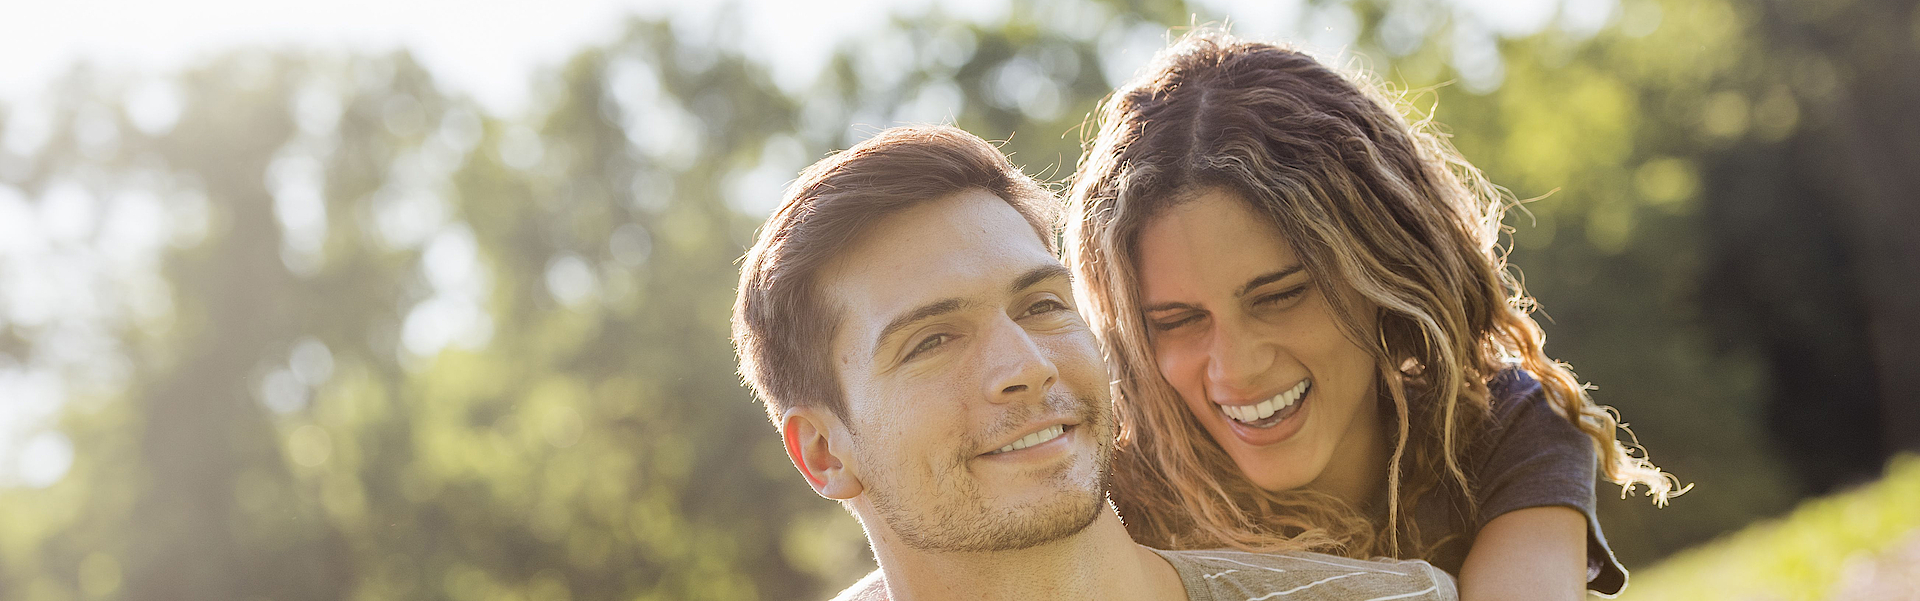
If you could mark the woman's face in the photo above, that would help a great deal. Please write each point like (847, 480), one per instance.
(1248, 339)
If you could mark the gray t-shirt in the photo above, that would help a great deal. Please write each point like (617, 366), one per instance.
(1228, 575)
(1527, 456)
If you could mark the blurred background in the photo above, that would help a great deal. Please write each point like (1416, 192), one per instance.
(361, 301)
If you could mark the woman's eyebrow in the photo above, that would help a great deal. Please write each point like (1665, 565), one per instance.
(1267, 279)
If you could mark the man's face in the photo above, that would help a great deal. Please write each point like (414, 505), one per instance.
(977, 400)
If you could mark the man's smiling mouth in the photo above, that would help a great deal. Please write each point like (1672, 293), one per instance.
(1044, 435)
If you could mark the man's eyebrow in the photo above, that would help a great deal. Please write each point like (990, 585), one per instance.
(1267, 279)
(933, 309)
(1167, 307)
(1039, 274)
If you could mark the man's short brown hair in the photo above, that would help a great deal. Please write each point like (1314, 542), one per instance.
(782, 321)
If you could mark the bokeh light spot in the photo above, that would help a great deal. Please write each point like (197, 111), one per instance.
(310, 446)
(45, 459)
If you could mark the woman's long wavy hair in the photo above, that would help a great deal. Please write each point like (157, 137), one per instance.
(1367, 199)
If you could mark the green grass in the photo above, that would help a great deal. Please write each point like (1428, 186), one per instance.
(1799, 557)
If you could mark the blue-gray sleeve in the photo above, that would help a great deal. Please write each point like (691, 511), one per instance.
(1540, 459)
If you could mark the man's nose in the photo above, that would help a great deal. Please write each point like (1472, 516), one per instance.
(1019, 369)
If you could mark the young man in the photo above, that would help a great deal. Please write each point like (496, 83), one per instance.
(904, 318)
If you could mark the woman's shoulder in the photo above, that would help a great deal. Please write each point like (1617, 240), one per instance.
(1535, 456)
(1523, 429)
(1527, 444)
(1521, 413)
(1514, 390)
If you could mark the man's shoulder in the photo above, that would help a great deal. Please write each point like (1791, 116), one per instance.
(1231, 574)
(871, 588)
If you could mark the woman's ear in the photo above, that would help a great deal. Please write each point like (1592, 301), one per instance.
(821, 457)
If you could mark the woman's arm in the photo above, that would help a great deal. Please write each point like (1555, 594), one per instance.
(1532, 553)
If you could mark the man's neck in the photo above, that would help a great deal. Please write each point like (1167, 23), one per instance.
(1100, 562)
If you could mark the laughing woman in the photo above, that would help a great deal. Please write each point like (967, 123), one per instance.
(1315, 338)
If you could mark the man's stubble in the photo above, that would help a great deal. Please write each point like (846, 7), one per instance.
(955, 517)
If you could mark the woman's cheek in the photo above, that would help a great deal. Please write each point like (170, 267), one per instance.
(1181, 369)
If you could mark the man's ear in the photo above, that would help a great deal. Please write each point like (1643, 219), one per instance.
(819, 454)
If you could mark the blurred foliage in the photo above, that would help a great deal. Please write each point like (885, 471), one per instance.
(389, 346)
(1860, 544)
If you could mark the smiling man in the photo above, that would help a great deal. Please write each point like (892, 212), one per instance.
(904, 318)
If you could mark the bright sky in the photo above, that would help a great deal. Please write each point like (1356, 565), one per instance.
(486, 48)
(489, 47)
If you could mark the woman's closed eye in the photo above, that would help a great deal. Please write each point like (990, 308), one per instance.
(1176, 321)
(1277, 298)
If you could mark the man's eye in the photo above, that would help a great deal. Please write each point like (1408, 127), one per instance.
(1046, 306)
(928, 344)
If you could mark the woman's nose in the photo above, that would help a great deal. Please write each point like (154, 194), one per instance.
(1236, 362)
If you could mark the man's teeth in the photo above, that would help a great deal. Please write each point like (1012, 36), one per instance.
(1033, 439)
(1266, 409)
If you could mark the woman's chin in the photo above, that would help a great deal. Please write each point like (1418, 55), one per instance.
(1273, 477)
(1277, 457)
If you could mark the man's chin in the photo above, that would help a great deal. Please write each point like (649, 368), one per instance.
(1017, 502)
(1000, 523)
(1064, 484)
(1063, 519)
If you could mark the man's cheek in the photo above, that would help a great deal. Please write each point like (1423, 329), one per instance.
(1081, 365)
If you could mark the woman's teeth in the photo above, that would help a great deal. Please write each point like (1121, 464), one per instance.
(1033, 439)
(1266, 409)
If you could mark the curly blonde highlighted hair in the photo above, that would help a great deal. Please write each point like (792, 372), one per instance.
(1366, 198)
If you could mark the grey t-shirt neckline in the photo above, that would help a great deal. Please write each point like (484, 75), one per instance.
(1232, 575)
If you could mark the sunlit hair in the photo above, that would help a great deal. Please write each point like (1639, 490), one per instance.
(782, 322)
(1368, 200)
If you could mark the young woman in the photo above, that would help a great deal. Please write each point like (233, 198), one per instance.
(1315, 338)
